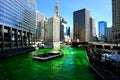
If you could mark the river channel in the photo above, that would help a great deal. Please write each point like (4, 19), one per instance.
(73, 65)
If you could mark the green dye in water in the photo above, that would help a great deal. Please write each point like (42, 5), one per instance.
(72, 66)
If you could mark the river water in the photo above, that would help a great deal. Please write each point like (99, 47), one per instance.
(73, 65)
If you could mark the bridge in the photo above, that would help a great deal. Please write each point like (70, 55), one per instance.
(100, 45)
(75, 44)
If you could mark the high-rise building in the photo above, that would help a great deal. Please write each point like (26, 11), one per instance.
(92, 29)
(39, 16)
(102, 28)
(52, 29)
(108, 34)
(71, 32)
(17, 23)
(116, 20)
(39, 26)
(68, 31)
(62, 29)
(81, 24)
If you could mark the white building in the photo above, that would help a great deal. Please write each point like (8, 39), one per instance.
(71, 32)
(39, 26)
(52, 29)
(92, 29)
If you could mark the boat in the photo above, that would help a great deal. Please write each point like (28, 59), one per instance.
(47, 56)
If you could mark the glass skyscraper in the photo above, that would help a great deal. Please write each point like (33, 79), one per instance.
(102, 27)
(17, 23)
(68, 31)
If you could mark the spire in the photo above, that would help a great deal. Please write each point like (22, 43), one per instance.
(56, 9)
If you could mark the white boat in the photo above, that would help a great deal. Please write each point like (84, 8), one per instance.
(48, 55)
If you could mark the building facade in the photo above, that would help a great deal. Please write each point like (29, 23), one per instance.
(108, 34)
(52, 29)
(68, 34)
(39, 16)
(81, 24)
(68, 31)
(17, 23)
(62, 29)
(116, 20)
(39, 26)
(71, 32)
(102, 25)
(92, 29)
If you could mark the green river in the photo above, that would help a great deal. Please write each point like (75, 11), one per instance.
(73, 65)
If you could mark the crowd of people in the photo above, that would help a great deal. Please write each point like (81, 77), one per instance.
(108, 64)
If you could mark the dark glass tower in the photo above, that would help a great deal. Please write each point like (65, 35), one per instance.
(81, 25)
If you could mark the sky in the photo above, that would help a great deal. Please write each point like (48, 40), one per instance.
(100, 10)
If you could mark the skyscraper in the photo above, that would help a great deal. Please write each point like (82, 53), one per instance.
(116, 20)
(17, 23)
(102, 27)
(39, 17)
(39, 26)
(62, 29)
(92, 29)
(81, 24)
(68, 31)
(108, 34)
(71, 32)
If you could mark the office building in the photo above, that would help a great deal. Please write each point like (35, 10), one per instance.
(17, 23)
(71, 32)
(108, 34)
(116, 20)
(68, 34)
(92, 29)
(68, 31)
(102, 25)
(81, 25)
(62, 29)
(39, 17)
(39, 26)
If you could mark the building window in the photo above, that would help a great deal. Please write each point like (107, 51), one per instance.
(119, 35)
(115, 36)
